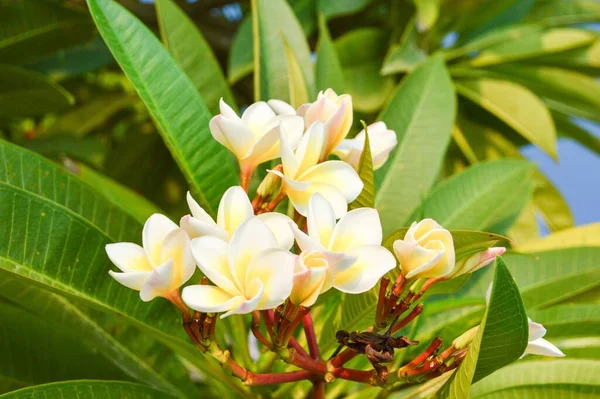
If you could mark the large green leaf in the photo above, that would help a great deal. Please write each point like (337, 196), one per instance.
(514, 105)
(585, 60)
(483, 196)
(570, 320)
(298, 90)
(366, 199)
(566, 127)
(274, 25)
(500, 340)
(329, 72)
(171, 98)
(33, 28)
(44, 307)
(558, 12)
(580, 236)
(405, 55)
(36, 351)
(565, 378)
(87, 390)
(361, 53)
(422, 113)
(25, 93)
(332, 9)
(193, 54)
(55, 231)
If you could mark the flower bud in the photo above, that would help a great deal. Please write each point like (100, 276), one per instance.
(476, 262)
(309, 278)
(381, 142)
(426, 251)
(465, 339)
(270, 184)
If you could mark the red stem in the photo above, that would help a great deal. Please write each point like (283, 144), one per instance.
(311, 338)
(319, 390)
(344, 357)
(294, 344)
(409, 317)
(381, 299)
(367, 377)
(433, 346)
(255, 328)
(277, 378)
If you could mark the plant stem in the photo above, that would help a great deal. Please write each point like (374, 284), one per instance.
(255, 328)
(276, 378)
(319, 390)
(311, 338)
(409, 317)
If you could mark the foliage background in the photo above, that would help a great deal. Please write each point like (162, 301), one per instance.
(523, 70)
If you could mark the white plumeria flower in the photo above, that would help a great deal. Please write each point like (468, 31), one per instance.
(303, 176)
(254, 138)
(234, 209)
(476, 261)
(426, 251)
(335, 112)
(250, 272)
(162, 265)
(381, 141)
(347, 256)
(536, 344)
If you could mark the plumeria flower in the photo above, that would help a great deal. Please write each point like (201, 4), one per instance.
(536, 344)
(347, 256)
(162, 265)
(335, 112)
(250, 272)
(254, 138)
(302, 176)
(426, 251)
(381, 141)
(234, 209)
(476, 261)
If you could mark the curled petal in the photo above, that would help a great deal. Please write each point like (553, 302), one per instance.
(227, 111)
(265, 149)
(373, 263)
(210, 299)
(338, 125)
(275, 269)
(288, 159)
(128, 257)
(310, 148)
(280, 226)
(133, 280)
(255, 290)
(358, 227)
(157, 227)
(536, 330)
(162, 281)
(210, 254)
(196, 228)
(234, 209)
(308, 284)
(305, 242)
(257, 115)
(337, 174)
(281, 107)
(176, 247)
(300, 197)
(321, 219)
(239, 138)
(419, 262)
(544, 348)
(197, 211)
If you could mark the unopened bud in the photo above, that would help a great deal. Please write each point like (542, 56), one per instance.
(476, 262)
(465, 340)
(270, 184)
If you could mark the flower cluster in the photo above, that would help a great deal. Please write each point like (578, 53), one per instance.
(255, 259)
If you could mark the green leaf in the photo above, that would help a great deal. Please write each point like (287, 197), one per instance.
(580, 236)
(123, 197)
(366, 199)
(550, 203)
(565, 127)
(33, 28)
(274, 24)
(361, 53)
(500, 340)
(54, 236)
(428, 12)
(24, 93)
(538, 43)
(74, 330)
(564, 378)
(557, 12)
(298, 90)
(571, 320)
(87, 390)
(173, 101)
(481, 197)
(35, 351)
(91, 150)
(422, 112)
(241, 53)
(329, 72)
(499, 98)
(193, 54)
(585, 60)
(332, 9)
(405, 55)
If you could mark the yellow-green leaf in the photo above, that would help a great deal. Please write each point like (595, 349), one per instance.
(366, 199)
(580, 236)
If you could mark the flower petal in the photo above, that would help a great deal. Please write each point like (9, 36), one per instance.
(337, 174)
(160, 282)
(536, 330)
(544, 348)
(210, 299)
(310, 147)
(250, 239)
(308, 284)
(358, 227)
(257, 115)
(300, 197)
(281, 107)
(305, 242)
(265, 149)
(197, 211)
(280, 226)
(373, 262)
(227, 111)
(210, 253)
(255, 290)
(234, 209)
(128, 257)
(196, 228)
(288, 159)
(155, 230)
(338, 125)
(238, 138)
(275, 269)
(321, 219)
(176, 247)
(133, 280)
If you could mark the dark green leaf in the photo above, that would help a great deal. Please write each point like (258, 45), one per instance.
(332, 9)
(366, 199)
(87, 390)
(329, 72)
(558, 12)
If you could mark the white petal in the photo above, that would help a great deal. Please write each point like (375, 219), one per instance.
(308, 284)
(288, 159)
(128, 257)
(544, 348)
(358, 227)
(160, 282)
(196, 228)
(280, 226)
(536, 330)
(337, 174)
(305, 242)
(321, 219)
(239, 138)
(250, 239)
(373, 263)
(133, 280)
(275, 269)
(294, 128)
(210, 254)
(290, 183)
(265, 149)
(281, 107)
(310, 147)
(210, 299)
(234, 209)
(176, 247)
(256, 290)
(338, 125)
(197, 211)
(155, 230)
(300, 197)
(257, 115)
(227, 111)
